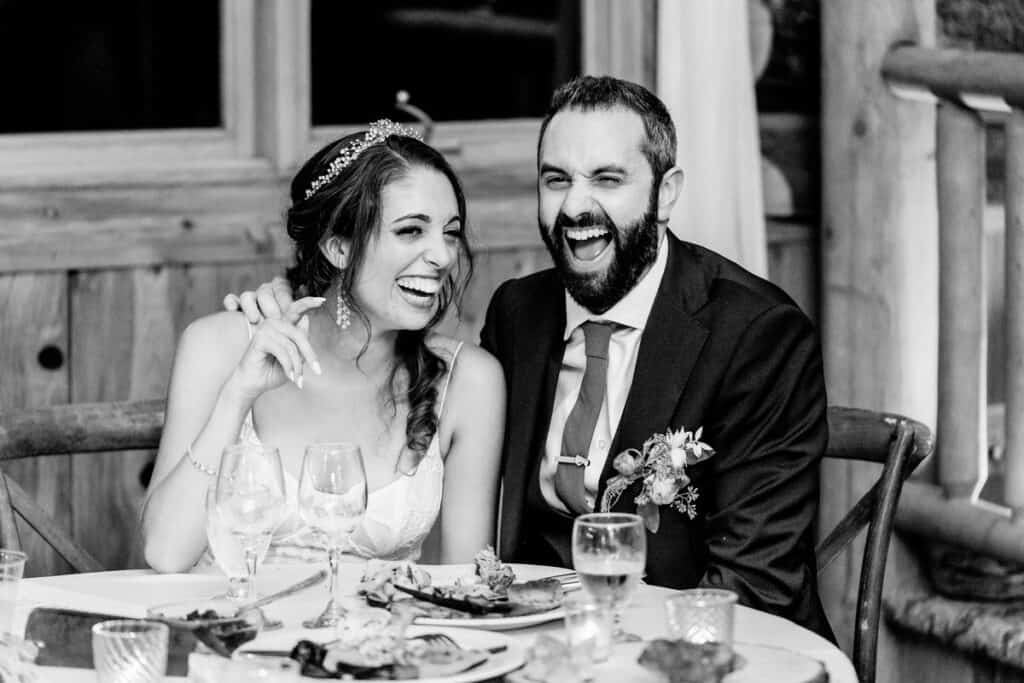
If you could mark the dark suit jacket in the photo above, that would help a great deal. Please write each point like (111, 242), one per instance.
(723, 349)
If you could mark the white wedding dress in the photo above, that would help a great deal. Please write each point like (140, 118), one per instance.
(398, 515)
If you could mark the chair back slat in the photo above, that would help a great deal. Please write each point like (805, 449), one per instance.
(37, 518)
(899, 444)
(81, 428)
(67, 429)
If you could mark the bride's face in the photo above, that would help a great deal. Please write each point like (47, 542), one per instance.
(415, 249)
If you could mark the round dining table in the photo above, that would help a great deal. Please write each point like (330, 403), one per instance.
(131, 592)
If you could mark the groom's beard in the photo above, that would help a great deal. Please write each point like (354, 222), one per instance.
(635, 249)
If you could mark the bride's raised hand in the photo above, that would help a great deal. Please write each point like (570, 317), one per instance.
(278, 352)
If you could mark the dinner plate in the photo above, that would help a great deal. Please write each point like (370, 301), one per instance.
(499, 664)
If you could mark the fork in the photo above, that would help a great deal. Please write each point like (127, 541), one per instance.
(567, 579)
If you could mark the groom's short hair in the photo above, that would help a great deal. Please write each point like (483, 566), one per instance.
(589, 93)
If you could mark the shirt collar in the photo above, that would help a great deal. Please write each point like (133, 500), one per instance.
(631, 310)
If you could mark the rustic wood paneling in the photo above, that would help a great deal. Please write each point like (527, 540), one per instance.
(122, 341)
(34, 316)
(128, 355)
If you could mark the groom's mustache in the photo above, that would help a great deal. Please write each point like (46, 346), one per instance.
(583, 220)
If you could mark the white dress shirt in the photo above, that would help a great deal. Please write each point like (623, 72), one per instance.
(630, 315)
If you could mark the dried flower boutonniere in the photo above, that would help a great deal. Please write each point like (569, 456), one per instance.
(661, 463)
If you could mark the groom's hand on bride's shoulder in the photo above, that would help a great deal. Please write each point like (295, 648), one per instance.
(270, 300)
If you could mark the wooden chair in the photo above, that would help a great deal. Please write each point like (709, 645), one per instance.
(899, 444)
(59, 430)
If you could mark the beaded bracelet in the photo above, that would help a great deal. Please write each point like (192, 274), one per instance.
(198, 465)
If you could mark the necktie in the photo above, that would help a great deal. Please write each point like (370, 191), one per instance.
(579, 428)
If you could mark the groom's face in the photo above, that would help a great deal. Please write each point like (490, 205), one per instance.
(597, 203)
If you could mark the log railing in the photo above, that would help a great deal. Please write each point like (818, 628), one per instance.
(965, 83)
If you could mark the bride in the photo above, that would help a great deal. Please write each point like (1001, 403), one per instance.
(378, 220)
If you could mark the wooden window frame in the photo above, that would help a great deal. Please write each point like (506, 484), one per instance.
(75, 158)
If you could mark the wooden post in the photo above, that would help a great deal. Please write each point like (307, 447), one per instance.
(960, 430)
(879, 251)
(1014, 425)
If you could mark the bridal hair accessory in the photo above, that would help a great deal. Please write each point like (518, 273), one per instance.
(661, 464)
(379, 132)
(342, 313)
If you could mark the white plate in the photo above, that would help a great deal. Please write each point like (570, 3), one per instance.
(496, 665)
(495, 623)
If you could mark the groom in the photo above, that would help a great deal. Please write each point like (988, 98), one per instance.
(687, 339)
(634, 332)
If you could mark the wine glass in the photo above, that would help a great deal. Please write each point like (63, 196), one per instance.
(609, 552)
(245, 506)
(228, 550)
(332, 499)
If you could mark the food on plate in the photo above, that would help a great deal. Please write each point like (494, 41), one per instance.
(490, 591)
(221, 633)
(379, 577)
(367, 637)
(497, 575)
(542, 593)
(684, 662)
(548, 659)
(371, 645)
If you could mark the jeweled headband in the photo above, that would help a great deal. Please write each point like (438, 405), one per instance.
(378, 133)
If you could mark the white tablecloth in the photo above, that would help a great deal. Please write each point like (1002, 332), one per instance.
(130, 592)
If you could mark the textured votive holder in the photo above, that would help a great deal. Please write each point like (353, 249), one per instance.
(701, 615)
(130, 651)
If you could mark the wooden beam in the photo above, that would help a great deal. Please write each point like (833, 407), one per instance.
(1014, 427)
(960, 425)
(982, 527)
(879, 249)
(948, 73)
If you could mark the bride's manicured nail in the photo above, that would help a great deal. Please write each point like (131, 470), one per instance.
(298, 381)
(316, 367)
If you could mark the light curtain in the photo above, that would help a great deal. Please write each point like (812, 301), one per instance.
(705, 77)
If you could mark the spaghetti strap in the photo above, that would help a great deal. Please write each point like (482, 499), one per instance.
(448, 379)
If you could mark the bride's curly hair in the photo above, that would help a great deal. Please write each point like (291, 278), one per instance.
(349, 207)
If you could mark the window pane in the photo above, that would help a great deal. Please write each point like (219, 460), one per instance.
(458, 59)
(69, 65)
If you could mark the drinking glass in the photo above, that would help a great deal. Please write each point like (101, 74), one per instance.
(228, 550)
(248, 504)
(332, 499)
(130, 651)
(701, 615)
(588, 630)
(609, 552)
(12, 566)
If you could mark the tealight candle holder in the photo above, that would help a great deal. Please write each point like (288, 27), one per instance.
(701, 615)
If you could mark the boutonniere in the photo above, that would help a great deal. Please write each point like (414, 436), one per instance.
(661, 463)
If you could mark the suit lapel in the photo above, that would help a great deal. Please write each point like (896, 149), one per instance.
(669, 347)
(537, 361)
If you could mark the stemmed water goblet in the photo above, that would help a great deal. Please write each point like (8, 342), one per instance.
(245, 505)
(332, 500)
(609, 552)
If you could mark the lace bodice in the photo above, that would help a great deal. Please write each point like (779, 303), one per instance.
(398, 515)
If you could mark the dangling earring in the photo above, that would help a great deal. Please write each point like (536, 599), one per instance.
(342, 313)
